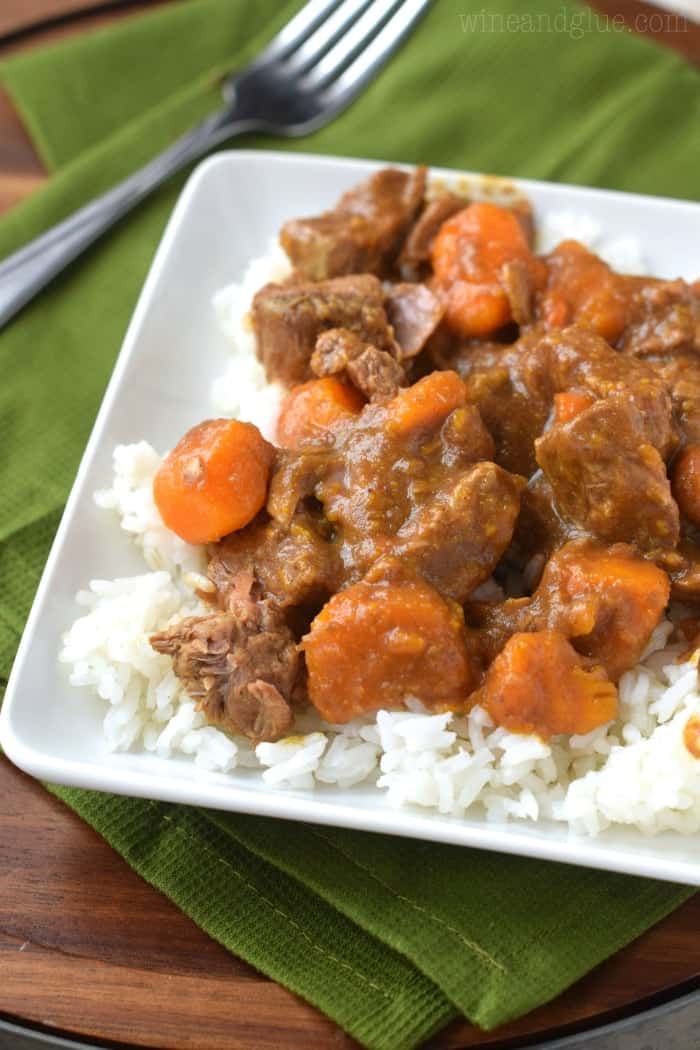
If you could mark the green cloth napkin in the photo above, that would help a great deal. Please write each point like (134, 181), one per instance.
(390, 937)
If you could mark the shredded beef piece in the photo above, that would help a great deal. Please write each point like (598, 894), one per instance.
(376, 373)
(334, 350)
(240, 666)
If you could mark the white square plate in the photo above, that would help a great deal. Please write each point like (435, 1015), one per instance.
(231, 207)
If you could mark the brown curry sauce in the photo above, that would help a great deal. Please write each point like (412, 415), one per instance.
(533, 455)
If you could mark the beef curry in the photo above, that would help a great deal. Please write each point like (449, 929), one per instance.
(485, 485)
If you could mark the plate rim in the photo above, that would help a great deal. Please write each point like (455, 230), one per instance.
(428, 825)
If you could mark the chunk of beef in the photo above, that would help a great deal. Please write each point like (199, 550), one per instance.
(662, 317)
(579, 359)
(240, 666)
(413, 492)
(414, 260)
(513, 397)
(455, 539)
(293, 562)
(514, 388)
(334, 350)
(607, 478)
(262, 712)
(363, 233)
(638, 315)
(293, 484)
(464, 438)
(400, 481)
(414, 313)
(376, 373)
(680, 373)
(289, 318)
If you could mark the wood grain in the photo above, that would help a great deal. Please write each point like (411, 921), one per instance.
(21, 171)
(90, 950)
(19, 16)
(676, 32)
(15, 14)
(74, 915)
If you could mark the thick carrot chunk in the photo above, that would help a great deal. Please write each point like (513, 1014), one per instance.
(309, 410)
(214, 481)
(426, 404)
(608, 600)
(376, 643)
(582, 289)
(538, 684)
(468, 255)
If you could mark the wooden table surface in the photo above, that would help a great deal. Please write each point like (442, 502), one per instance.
(89, 950)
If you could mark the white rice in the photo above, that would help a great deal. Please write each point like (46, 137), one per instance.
(633, 771)
(131, 496)
(623, 253)
(243, 390)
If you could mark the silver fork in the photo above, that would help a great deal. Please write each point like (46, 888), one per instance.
(315, 66)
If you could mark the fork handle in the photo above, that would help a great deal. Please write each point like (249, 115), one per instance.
(24, 273)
